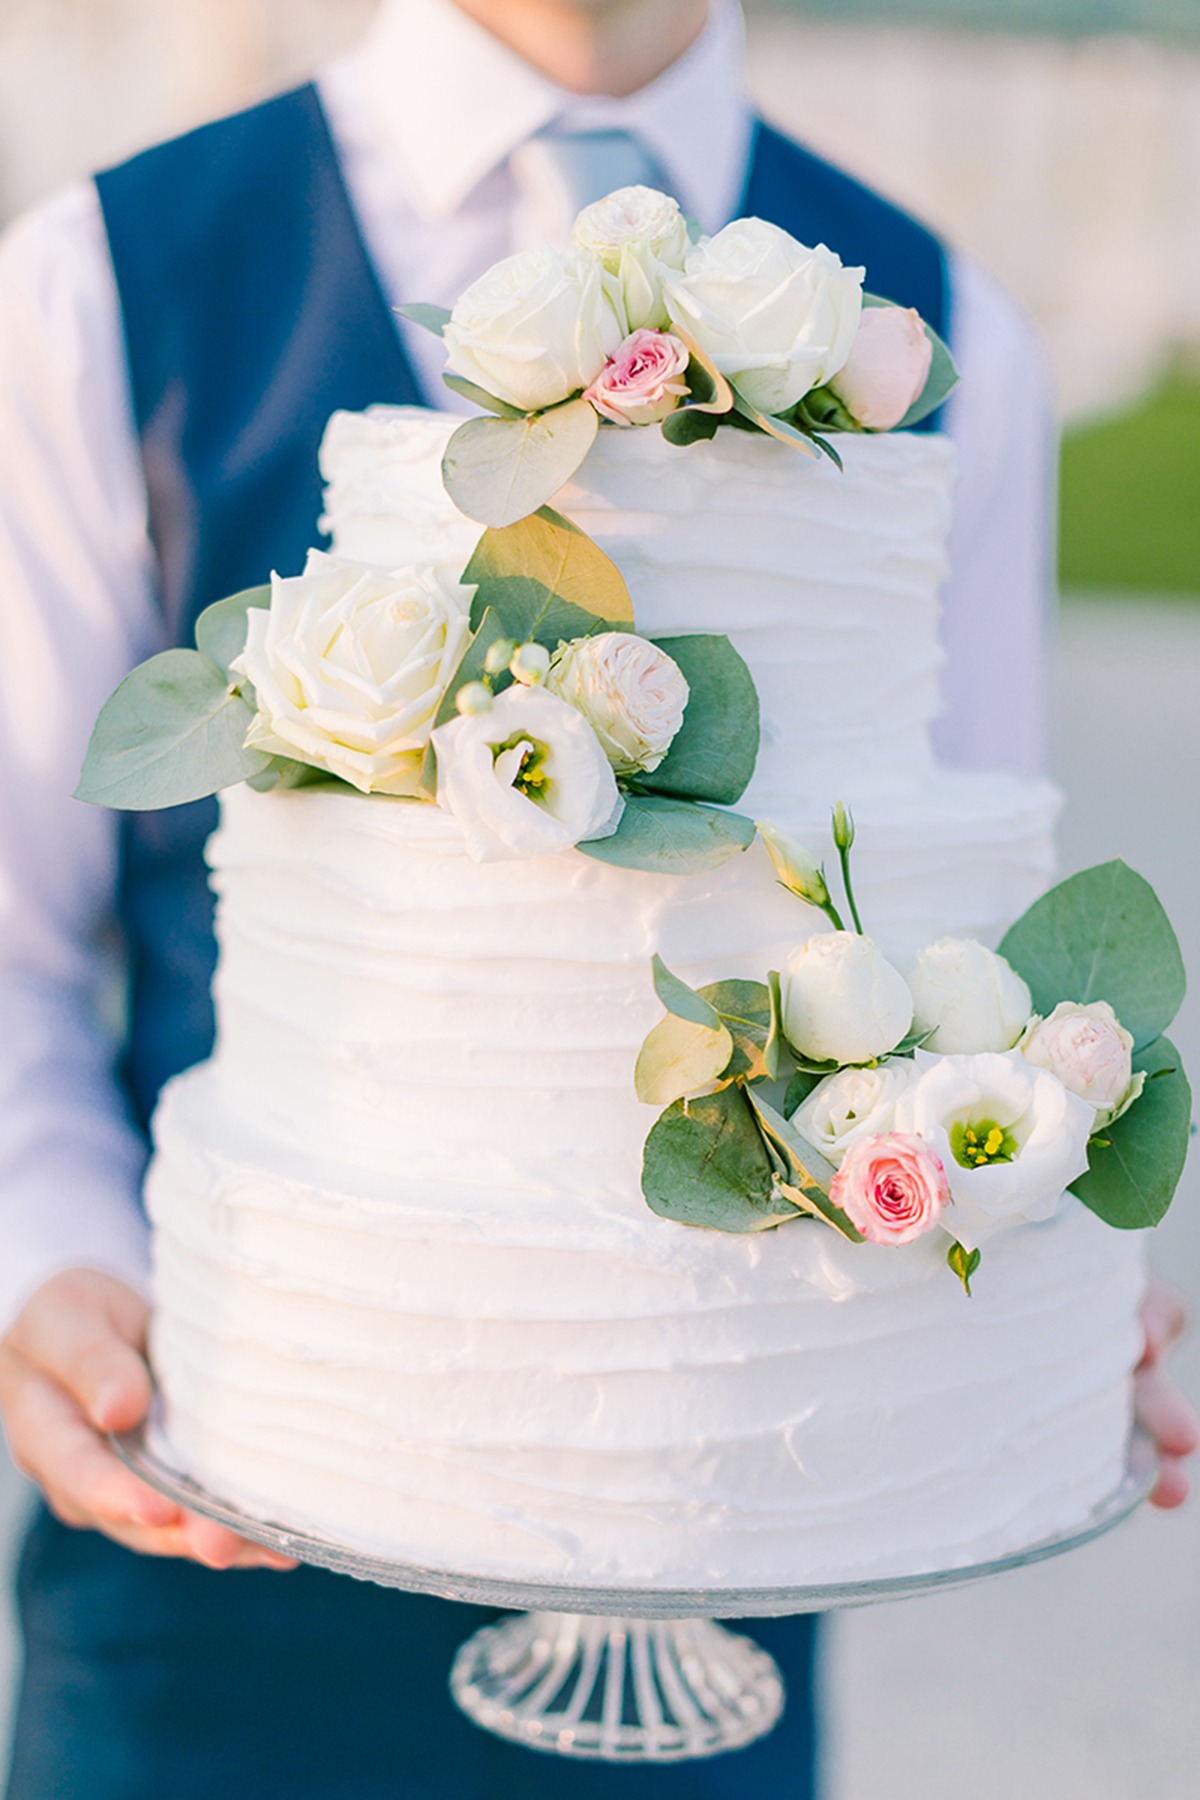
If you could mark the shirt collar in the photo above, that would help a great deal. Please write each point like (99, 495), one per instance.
(474, 101)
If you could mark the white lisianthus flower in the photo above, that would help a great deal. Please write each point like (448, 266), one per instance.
(777, 318)
(969, 998)
(852, 1105)
(842, 1001)
(526, 778)
(1011, 1137)
(640, 236)
(1091, 1052)
(350, 664)
(538, 327)
(631, 693)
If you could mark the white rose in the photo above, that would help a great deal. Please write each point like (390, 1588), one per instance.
(776, 317)
(525, 778)
(968, 997)
(536, 328)
(842, 1002)
(641, 237)
(1090, 1051)
(1011, 1137)
(853, 1104)
(350, 664)
(630, 692)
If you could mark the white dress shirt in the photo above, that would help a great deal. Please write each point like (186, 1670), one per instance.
(432, 118)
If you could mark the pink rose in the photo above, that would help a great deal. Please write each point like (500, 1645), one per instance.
(887, 368)
(643, 382)
(893, 1188)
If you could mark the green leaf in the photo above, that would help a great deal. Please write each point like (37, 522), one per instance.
(713, 753)
(776, 428)
(432, 318)
(689, 425)
(173, 731)
(745, 1009)
(458, 384)
(941, 381)
(680, 1058)
(806, 1174)
(799, 1088)
(681, 1000)
(1132, 1175)
(500, 470)
(710, 391)
(671, 837)
(471, 664)
(1102, 935)
(546, 552)
(964, 1263)
(281, 773)
(705, 1163)
(221, 628)
(773, 1049)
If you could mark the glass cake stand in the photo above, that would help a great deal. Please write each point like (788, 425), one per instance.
(624, 1675)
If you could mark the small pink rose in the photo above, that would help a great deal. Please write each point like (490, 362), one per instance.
(893, 1187)
(887, 368)
(643, 382)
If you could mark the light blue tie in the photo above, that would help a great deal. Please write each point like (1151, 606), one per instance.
(561, 171)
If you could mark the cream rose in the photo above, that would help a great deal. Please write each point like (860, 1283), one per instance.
(641, 237)
(842, 1002)
(968, 997)
(525, 778)
(1011, 1137)
(644, 382)
(887, 368)
(852, 1105)
(350, 664)
(538, 327)
(776, 317)
(1090, 1051)
(892, 1187)
(630, 692)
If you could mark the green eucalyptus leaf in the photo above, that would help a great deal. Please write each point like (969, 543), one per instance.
(281, 773)
(530, 613)
(1102, 935)
(472, 662)
(458, 384)
(431, 318)
(681, 1000)
(546, 552)
(689, 425)
(780, 429)
(1133, 1173)
(671, 837)
(678, 1058)
(774, 1048)
(174, 731)
(713, 754)
(799, 1088)
(745, 1009)
(501, 470)
(806, 1174)
(221, 628)
(705, 1163)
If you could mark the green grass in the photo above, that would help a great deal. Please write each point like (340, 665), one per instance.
(1131, 497)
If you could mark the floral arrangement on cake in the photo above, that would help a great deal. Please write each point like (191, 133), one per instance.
(643, 321)
(519, 698)
(952, 1103)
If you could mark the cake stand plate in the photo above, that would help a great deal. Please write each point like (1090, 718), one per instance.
(621, 1674)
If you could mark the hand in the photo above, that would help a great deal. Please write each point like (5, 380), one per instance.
(1161, 1409)
(71, 1369)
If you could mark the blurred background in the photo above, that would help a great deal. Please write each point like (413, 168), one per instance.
(1060, 141)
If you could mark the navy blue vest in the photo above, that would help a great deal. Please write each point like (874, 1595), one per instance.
(251, 313)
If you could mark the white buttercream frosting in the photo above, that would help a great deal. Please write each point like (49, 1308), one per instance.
(408, 1291)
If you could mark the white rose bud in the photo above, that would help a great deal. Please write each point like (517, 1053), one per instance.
(640, 236)
(853, 1104)
(842, 1002)
(775, 317)
(350, 665)
(538, 327)
(887, 368)
(1090, 1051)
(630, 692)
(969, 998)
(525, 778)
(530, 664)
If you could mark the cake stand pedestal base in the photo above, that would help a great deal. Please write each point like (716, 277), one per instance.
(617, 1689)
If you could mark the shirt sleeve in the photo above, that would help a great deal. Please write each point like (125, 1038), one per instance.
(999, 599)
(77, 610)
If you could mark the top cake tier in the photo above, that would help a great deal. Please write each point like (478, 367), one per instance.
(826, 581)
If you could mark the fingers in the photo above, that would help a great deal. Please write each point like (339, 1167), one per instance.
(1164, 1318)
(86, 1332)
(1163, 1412)
(1172, 1487)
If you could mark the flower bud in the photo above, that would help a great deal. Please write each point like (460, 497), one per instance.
(843, 826)
(842, 1001)
(499, 655)
(1091, 1053)
(530, 664)
(474, 698)
(799, 872)
(968, 998)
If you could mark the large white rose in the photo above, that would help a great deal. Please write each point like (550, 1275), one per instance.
(969, 998)
(641, 237)
(852, 1105)
(525, 778)
(776, 317)
(631, 693)
(350, 664)
(1090, 1051)
(536, 328)
(1011, 1137)
(842, 1002)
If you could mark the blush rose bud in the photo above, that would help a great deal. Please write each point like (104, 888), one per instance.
(887, 368)
(644, 381)
(1091, 1053)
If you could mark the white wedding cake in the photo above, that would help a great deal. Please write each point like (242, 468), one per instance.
(408, 1292)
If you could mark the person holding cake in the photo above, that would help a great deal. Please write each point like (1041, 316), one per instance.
(181, 334)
